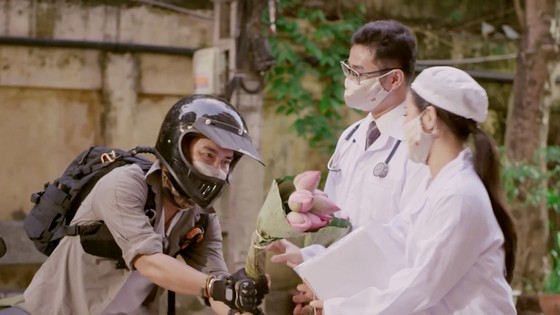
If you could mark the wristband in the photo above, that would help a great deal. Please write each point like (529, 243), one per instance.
(233, 312)
(205, 289)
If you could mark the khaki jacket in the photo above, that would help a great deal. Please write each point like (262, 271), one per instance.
(74, 282)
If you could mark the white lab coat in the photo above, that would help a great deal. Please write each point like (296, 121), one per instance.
(362, 197)
(453, 251)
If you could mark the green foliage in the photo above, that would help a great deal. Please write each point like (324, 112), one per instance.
(514, 176)
(552, 283)
(308, 48)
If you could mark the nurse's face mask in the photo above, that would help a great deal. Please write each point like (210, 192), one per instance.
(419, 141)
(364, 94)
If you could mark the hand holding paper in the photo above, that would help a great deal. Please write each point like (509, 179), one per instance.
(365, 264)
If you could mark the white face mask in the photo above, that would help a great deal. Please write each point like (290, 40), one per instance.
(419, 142)
(365, 96)
(210, 170)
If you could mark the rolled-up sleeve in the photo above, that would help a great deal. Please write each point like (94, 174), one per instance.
(119, 199)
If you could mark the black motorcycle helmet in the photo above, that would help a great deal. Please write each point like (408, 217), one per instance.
(213, 118)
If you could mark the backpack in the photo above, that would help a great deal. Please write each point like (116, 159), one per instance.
(48, 221)
(55, 206)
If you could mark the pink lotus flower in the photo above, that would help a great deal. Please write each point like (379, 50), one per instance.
(320, 192)
(324, 216)
(316, 221)
(276, 221)
(298, 221)
(308, 180)
(300, 201)
(303, 222)
(322, 204)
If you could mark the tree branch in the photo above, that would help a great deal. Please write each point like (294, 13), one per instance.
(520, 14)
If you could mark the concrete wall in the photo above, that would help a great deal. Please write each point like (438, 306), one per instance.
(58, 101)
(106, 99)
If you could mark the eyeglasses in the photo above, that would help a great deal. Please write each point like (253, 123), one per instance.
(355, 75)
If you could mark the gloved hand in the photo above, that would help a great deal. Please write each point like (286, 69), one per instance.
(261, 284)
(238, 293)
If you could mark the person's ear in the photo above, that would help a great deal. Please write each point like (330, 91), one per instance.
(392, 80)
(397, 79)
(429, 120)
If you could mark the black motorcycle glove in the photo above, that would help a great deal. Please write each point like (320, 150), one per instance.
(238, 294)
(261, 284)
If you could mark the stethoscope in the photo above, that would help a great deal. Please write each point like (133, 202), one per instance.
(380, 170)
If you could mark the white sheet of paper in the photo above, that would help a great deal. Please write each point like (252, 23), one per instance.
(350, 265)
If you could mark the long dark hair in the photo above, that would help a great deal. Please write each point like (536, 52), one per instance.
(487, 167)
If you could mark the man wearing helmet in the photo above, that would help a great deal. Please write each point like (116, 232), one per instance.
(200, 141)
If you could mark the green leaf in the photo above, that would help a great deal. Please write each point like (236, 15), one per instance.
(312, 52)
(339, 222)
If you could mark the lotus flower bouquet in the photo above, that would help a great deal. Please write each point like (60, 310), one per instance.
(293, 207)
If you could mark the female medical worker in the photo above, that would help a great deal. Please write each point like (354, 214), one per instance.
(459, 242)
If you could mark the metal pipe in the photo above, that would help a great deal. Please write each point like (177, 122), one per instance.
(451, 62)
(176, 9)
(2, 247)
(108, 46)
(495, 76)
(183, 51)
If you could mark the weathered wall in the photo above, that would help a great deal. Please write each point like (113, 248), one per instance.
(60, 112)
(58, 101)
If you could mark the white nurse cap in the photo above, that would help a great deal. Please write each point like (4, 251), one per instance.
(453, 90)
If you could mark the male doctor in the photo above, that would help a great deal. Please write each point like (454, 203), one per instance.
(369, 172)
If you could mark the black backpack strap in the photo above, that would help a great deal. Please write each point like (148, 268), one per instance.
(97, 240)
(170, 302)
(150, 206)
(196, 234)
(74, 230)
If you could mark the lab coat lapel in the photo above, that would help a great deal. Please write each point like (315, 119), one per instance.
(380, 143)
(391, 132)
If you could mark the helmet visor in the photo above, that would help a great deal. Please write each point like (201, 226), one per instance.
(227, 136)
